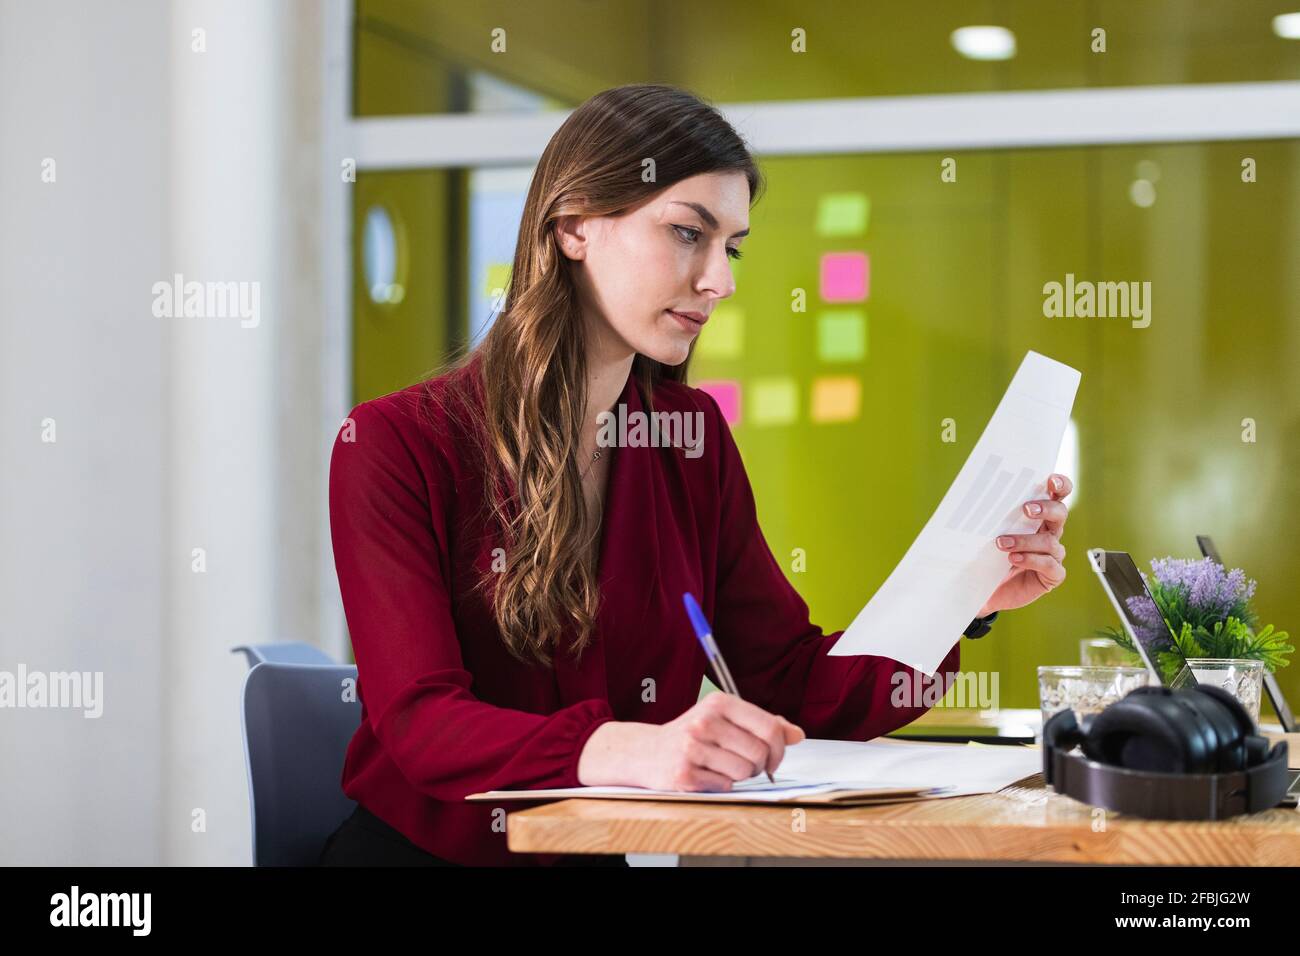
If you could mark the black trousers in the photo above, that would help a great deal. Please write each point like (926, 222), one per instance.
(365, 840)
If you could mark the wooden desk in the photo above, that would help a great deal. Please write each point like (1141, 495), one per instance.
(1005, 725)
(1025, 824)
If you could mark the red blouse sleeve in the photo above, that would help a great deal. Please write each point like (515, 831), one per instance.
(777, 656)
(389, 531)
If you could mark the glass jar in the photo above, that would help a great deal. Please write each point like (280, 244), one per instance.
(1104, 652)
(1240, 677)
(1086, 690)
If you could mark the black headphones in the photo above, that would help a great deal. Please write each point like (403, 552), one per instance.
(1166, 754)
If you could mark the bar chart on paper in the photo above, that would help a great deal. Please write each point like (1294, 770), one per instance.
(953, 565)
(989, 502)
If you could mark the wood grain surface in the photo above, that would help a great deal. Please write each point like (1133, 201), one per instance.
(1022, 823)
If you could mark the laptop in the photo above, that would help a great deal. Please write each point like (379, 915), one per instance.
(1122, 581)
(1271, 685)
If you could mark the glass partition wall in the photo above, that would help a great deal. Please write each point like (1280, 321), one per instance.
(924, 277)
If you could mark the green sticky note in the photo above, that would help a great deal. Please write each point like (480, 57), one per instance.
(773, 401)
(723, 336)
(842, 214)
(842, 335)
(498, 277)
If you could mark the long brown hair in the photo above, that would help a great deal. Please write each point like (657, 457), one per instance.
(530, 370)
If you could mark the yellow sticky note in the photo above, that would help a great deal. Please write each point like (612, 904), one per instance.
(498, 277)
(773, 401)
(723, 336)
(836, 399)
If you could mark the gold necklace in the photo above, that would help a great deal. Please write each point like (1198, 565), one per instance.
(594, 458)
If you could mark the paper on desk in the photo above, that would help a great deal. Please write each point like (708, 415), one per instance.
(755, 790)
(953, 566)
(957, 769)
(880, 768)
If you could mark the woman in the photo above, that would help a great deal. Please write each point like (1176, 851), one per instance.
(513, 588)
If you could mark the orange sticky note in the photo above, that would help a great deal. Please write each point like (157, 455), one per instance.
(836, 398)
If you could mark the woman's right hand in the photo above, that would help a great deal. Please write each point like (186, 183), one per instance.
(718, 741)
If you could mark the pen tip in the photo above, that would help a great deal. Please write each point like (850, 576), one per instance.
(696, 615)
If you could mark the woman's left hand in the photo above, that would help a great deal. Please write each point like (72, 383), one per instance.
(1037, 560)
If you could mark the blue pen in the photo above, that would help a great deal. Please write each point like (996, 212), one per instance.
(705, 634)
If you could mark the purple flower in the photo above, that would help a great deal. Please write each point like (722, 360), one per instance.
(1147, 622)
(1210, 591)
(1177, 573)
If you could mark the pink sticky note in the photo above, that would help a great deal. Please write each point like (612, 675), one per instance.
(845, 276)
(727, 395)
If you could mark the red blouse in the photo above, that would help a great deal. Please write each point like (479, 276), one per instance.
(446, 711)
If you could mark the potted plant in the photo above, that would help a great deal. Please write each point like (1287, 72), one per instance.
(1205, 611)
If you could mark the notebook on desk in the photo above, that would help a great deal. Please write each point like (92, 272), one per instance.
(842, 773)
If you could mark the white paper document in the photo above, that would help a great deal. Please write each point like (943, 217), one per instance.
(889, 767)
(747, 791)
(953, 566)
(956, 769)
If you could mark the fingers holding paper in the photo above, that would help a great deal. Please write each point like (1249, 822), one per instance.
(1037, 559)
(1052, 509)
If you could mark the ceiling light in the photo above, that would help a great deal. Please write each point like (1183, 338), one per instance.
(1287, 26)
(985, 43)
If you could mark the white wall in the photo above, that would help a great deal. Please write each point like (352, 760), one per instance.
(172, 433)
(81, 519)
